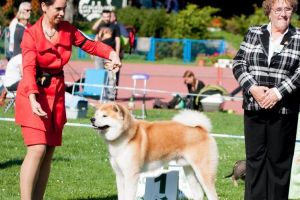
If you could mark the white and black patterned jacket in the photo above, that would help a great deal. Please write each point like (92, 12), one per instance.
(251, 67)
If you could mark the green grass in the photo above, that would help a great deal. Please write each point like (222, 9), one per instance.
(81, 170)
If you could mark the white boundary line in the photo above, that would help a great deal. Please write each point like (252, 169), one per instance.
(90, 126)
(226, 98)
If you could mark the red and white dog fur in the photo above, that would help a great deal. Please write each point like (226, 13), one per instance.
(137, 146)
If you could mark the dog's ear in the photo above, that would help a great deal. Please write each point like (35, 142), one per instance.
(118, 108)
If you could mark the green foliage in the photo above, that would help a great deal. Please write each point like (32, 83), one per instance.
(191, 22)
(131, 16)
(148, 22)
(154, 23)
(240, 24)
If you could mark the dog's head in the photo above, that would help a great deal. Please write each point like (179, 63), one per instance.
(111, 120)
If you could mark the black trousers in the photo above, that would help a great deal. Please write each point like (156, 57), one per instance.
(270, 141)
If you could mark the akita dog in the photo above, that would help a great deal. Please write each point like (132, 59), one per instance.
(137, 146)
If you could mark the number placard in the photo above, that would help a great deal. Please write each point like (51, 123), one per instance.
(162, 187)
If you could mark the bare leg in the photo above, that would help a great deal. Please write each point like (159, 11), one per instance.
(30, 170)
(44, 174)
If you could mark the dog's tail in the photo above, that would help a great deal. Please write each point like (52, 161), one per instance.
(193, 118)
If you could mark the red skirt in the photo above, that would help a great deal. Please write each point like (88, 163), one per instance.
(33, 136)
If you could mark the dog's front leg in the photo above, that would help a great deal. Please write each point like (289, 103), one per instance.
(119, 179)
(121, 187)
(131, 183)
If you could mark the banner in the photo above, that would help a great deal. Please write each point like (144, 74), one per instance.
(92, 9)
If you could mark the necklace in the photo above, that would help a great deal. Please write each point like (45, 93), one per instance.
(49, 35)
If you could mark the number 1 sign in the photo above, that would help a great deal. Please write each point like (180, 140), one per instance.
(163, 187)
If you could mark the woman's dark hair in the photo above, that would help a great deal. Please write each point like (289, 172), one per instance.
(47, 2)
(190, 74)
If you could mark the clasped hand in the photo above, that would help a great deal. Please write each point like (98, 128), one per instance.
(265, 97)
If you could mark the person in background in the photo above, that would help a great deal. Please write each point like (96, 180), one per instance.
(267, 68)
(193, 86)
(23, 17)
(123, 36)
(115, 43)
(12, 76)
(12, 27)
(40, 101)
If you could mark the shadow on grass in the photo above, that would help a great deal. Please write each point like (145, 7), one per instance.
(113, 197)
(10, 163)
(18, 162)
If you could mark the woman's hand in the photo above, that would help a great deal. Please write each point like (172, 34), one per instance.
(36, 107)
(270, 100)
(114, 64)
(259, 93)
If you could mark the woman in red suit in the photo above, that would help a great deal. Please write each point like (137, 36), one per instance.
(40, 110)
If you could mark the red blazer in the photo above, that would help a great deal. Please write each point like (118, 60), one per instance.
(38, 51)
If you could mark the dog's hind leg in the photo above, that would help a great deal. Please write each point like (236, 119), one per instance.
(204, 164)
(193, 183)
(207, 181)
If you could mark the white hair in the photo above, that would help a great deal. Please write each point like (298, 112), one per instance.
(24, 5)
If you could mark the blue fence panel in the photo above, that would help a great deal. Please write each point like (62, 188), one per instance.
(191, 48)
(186, 49)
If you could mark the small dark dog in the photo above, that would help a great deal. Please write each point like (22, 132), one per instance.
(238, 172)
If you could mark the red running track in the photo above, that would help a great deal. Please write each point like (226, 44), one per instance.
(162, 77)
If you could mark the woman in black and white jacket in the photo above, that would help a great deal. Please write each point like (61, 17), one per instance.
(267, 68)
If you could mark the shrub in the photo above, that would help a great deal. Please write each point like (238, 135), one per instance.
(190, 23)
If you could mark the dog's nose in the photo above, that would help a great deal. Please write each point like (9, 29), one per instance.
(93, 120)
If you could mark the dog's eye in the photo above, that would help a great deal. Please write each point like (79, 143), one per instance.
(104, 115)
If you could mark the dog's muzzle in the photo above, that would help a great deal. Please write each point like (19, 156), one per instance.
(98, 127)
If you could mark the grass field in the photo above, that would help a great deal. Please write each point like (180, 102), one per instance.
(81, 169)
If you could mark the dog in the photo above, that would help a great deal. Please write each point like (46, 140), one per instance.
(137, 146)
(238, 172)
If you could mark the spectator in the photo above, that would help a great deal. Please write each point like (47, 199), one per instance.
(268, 71)
(172, 5)
(23, 17)
(12, 27)
(115, 43)
(123, 36)
(40, 101)
(13, 74)
(193, 86)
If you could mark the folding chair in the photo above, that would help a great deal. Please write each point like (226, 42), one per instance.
(10, 94)
(93, 77)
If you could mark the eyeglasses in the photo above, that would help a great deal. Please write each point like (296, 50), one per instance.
(287, 10)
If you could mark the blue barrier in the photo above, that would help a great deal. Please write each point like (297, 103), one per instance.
(190, 47)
